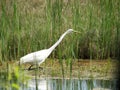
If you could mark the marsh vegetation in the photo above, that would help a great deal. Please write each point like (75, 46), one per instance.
(32, 25)
(28, 26)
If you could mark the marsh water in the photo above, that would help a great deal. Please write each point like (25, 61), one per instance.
(66, 84)
(72, 84)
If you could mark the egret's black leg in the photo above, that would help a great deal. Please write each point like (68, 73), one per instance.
(30, 67)
(34, 68)
(41, 68)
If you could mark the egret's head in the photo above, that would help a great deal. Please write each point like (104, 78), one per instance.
(71, 30)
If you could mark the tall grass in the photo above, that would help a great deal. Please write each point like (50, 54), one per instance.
(27, 27)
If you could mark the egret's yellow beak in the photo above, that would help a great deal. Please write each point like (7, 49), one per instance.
(76, 31)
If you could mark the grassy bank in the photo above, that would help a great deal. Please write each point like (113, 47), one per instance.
(96, 69)
(31, 25)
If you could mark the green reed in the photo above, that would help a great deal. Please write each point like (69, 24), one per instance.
(26, 27)
(37, 26)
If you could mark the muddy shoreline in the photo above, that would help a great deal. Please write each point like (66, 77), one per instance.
(87, 69)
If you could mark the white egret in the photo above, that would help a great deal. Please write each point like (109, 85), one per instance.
(39, 57)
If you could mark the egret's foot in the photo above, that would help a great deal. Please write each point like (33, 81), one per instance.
(41, 68)
(30, 67)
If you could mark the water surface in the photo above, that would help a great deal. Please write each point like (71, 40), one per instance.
(71, 84)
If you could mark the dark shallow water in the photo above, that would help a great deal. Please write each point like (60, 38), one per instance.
(70, 84)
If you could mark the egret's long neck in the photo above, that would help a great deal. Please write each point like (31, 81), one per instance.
(56, 44)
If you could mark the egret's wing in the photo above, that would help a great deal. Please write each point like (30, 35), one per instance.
(38, 56)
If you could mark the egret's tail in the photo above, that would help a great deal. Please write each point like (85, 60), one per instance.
(21, 61)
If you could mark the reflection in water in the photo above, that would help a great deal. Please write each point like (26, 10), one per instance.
(73, 84)
(42, 84)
